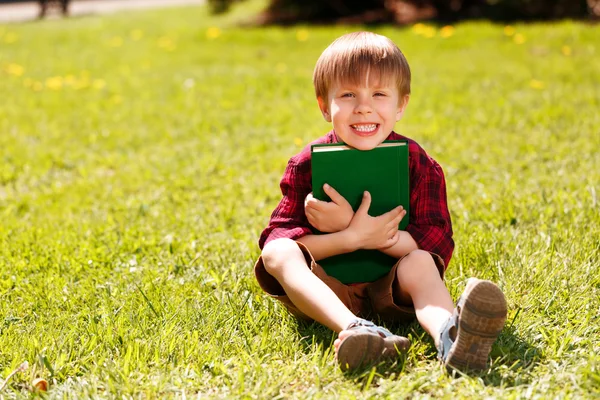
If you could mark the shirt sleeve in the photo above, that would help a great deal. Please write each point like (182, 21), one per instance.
(430, 224)
(288, 220)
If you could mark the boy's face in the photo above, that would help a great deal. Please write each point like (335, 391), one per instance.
(363, 115)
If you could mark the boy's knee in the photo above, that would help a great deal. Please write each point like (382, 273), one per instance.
(416, 268)
(277, 252)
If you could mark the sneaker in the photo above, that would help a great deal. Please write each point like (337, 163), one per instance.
(369, 344)
(467, 337)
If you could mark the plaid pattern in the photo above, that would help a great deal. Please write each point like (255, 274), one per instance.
(430, 224)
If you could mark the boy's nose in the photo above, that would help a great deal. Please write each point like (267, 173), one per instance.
(363, 107)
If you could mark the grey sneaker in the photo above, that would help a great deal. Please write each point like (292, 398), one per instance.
(467, 337)
(369, 344)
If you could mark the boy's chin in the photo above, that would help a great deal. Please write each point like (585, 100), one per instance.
(365, 144)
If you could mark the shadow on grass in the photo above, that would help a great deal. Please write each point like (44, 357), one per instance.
(512, 358)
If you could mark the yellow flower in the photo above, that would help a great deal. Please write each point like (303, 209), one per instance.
(14, 69)
(519, 38)
(535, 84)
(116, 99)
(10, 37)
(418, 28)
(298, 142)
(447, 31)
(566, 50)
(166, 43)
(424, 30)
(281, 67)
(302, 35)
(99, 84)
(54, 83)
(213, 32)
(509, 30)
(115, 42)
(136, 34)
(70, 79)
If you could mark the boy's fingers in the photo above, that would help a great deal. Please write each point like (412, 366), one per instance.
(365, 204)
(400, 217)
(392, 214)
(334, 195)
(308, 198)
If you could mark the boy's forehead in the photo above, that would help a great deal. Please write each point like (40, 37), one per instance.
(365, 82)
(365, 78)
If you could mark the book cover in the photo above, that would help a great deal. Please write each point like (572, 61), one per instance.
(383, 171)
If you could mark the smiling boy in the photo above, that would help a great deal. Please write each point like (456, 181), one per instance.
(362, 84)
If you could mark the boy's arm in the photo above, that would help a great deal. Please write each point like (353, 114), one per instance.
(363, 232)
(288, 219)
(430, 227)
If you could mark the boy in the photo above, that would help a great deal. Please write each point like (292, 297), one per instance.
(362, 84)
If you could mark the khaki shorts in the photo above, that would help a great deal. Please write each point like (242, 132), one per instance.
(365, 300)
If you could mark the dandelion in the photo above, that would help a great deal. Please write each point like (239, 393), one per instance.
(136, 34)
(418, 28)
(116, 42)
(536, 84)
(447, 31)
(566, 50)
(54, 83)
(10, 37)
(116, 99)
(98, 84)
(519, 38)
(281, 67)
(14, 70)
(69, 80)
(213, 32)
(424, 30)
(298, 142)
(509, 30)
(166, 43)
(302, 35)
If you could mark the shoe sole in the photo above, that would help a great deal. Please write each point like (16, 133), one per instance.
(361, 349)
(481, 319)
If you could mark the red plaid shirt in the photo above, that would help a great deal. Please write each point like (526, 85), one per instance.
(430, 224)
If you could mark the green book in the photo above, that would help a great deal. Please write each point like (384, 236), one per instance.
(383, 172)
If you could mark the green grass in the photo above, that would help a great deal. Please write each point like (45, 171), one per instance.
(137, 169)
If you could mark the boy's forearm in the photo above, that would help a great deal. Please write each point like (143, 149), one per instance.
(403, 246)
(328, 245)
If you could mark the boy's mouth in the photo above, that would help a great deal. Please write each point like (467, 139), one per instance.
(365, 129)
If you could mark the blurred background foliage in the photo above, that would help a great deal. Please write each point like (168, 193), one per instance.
(409, 11)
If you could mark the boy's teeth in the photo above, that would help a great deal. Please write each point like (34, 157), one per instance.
(365, 128)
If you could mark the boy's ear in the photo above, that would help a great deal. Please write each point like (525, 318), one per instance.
(402, 106)
(324, 109)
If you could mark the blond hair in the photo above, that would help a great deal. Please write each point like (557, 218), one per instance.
(350, 58)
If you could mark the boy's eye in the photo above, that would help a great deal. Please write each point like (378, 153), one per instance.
(347, 95)
(379, 94)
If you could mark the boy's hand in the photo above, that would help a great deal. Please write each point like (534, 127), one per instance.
(375, 232)
(328, 216)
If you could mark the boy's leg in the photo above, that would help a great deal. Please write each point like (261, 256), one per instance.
(417, 283)
(467, 332)
(421, 285)
(284, 260)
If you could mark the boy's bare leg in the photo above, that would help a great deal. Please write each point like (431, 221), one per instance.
(284, 260)
(421, 285)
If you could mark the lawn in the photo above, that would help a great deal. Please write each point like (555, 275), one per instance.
(140, 156)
